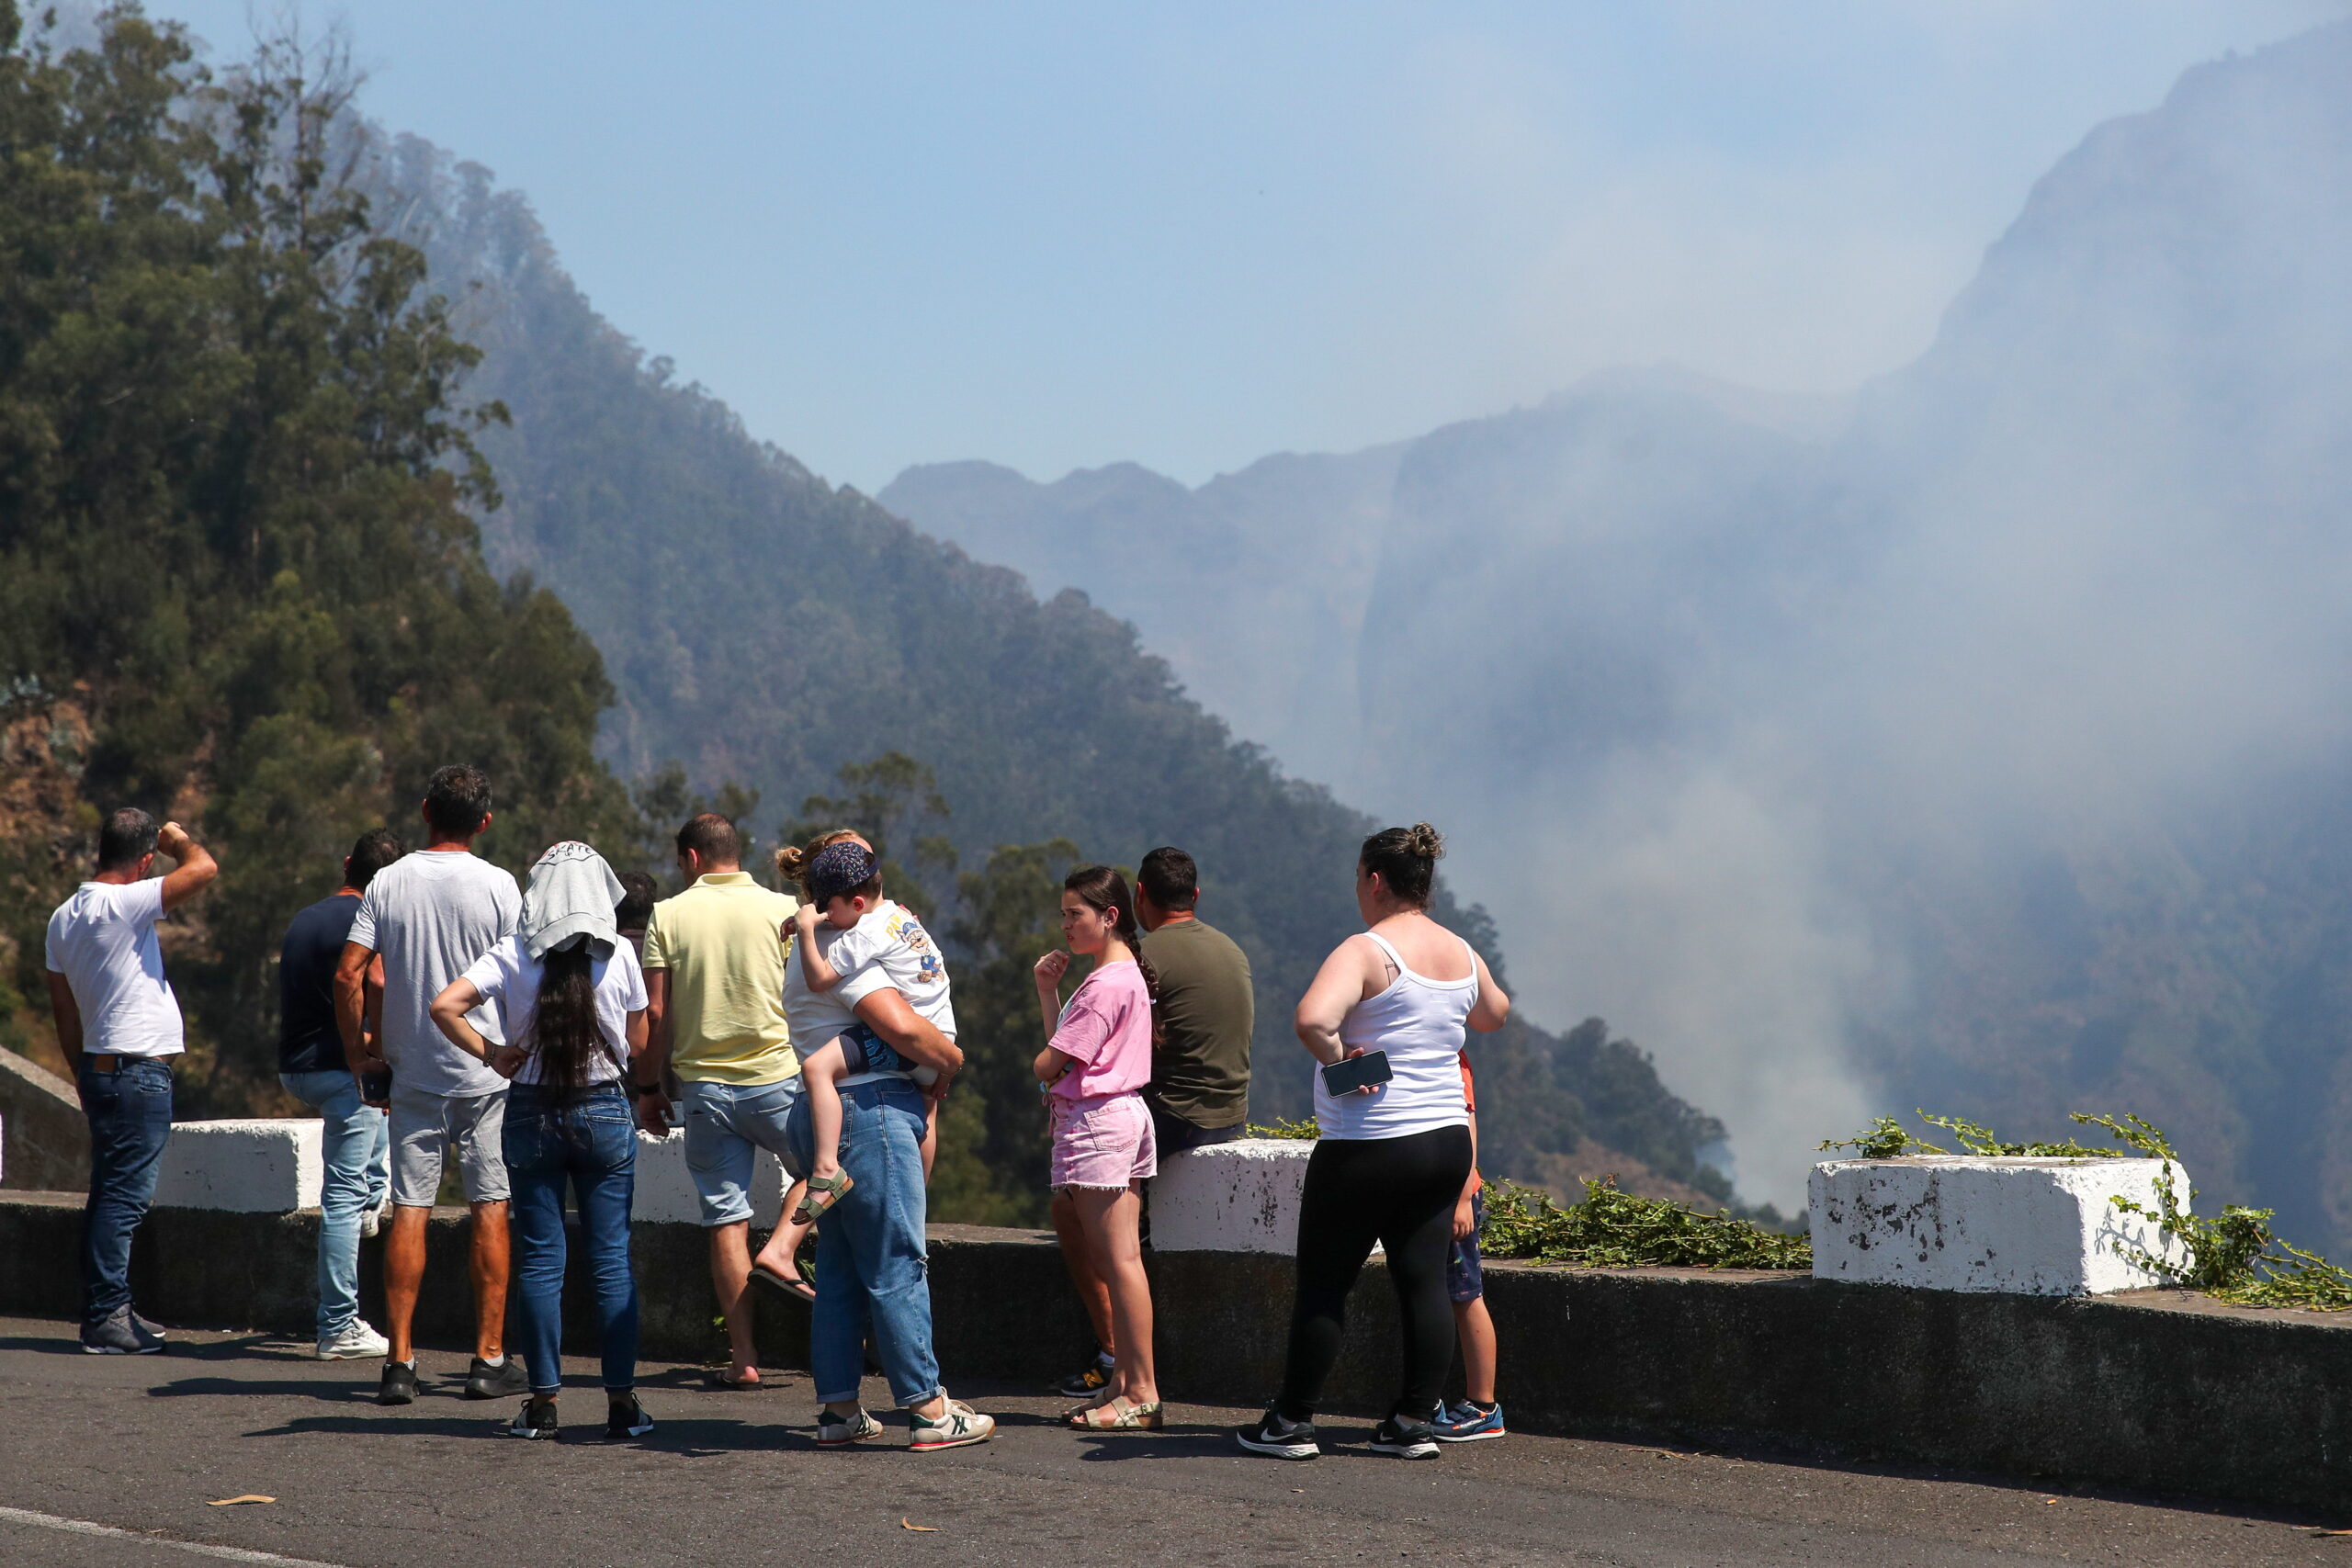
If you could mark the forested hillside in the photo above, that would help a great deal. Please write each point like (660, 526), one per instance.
(1985, 748)
(247, 435)
(239, 579)
(765, 628)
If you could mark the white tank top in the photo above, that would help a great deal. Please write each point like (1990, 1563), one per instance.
(1420, 1023)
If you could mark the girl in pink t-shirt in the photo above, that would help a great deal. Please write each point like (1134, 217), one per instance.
(1097, 1060)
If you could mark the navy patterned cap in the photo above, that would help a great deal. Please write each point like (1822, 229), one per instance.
(840, 870)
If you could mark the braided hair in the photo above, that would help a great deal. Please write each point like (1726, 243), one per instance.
(1104, 890)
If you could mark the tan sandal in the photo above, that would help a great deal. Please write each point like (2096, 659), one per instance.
(1120, 1415)
(1095, 1401)
(824, 1191)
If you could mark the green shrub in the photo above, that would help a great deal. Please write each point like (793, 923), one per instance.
(1616, 1230)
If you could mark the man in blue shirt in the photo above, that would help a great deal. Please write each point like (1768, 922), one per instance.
(311, 1064)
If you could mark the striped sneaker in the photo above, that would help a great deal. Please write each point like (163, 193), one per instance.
(953, 1427)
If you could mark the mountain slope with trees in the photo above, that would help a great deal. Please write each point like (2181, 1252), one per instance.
(296, 419)
(239, 579)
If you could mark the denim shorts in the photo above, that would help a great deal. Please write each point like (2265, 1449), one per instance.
(727, 1125)
(1464, 1280)
(1105, 1142)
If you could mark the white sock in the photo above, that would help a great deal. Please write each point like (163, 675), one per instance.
(1107, 1358)
(497, 1360)
(410, 1363)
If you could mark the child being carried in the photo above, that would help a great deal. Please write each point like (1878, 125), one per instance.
(863, 936)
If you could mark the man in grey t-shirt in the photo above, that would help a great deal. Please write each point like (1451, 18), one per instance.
(430, 914)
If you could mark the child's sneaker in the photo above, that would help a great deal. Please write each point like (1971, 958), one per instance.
(1270, 1433)
(1090, 1381)
(955, 1426)
(1406, 1439)
(1465, 1422)
(840, 1431)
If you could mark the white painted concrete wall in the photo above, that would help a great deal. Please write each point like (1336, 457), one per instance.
(1961, 1223)
(665, 1187)
(1237, 1197)
(276, 1165)
(269, 1166)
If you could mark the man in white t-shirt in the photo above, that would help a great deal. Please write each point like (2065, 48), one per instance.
(120, 1026)
(430, 914)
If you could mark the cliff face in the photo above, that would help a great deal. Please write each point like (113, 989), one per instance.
(1982, 744)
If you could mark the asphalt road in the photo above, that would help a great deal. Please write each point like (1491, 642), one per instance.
(142, 1445)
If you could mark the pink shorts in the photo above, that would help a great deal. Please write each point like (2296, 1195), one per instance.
(1103, 1143)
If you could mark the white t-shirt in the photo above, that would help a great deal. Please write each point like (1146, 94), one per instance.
(431, 914)
(885, 950)
(508, 978)
(103, 941)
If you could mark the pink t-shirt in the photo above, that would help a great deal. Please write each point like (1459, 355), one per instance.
(1106, 1026)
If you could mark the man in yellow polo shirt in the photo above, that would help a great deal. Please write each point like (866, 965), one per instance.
(714, 982)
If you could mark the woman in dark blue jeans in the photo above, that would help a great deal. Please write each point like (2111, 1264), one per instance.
(871, 1274)
(571, 999)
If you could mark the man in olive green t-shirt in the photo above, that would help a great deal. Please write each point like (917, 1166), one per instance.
(714, 982)
(1199, 1092)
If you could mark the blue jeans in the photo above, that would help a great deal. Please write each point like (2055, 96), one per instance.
(358, 1150)
(592, 1143)
(871, 1266)
(131, 1116)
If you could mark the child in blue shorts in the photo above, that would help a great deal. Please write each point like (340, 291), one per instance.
(1477, 1416)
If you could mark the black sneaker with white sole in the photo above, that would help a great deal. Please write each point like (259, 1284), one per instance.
(534, 1420)
(626, 1419)
(1087, 1381)
(149, 1327)
(486, 1382)
(398, 1386)
(1270, 1433)
(120, 1336)
(1405, 1438)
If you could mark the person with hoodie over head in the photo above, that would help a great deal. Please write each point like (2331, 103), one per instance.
(570, 998)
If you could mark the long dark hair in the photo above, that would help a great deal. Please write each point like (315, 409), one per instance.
(1104, 890)
(564, 1035)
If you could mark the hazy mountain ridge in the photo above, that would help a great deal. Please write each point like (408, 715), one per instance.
(1986, 750)
(765, 627)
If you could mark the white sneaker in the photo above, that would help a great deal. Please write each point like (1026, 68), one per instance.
(358, 1342)
(371, 1220)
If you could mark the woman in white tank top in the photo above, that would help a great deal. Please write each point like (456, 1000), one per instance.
(1392, 1161)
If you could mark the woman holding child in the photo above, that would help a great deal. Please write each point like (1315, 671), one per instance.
(1096, 1061)
(865, 997)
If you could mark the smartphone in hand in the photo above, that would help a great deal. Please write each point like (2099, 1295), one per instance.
(1352, 1073)
(375, 1088)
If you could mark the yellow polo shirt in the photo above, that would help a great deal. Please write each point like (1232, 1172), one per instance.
(719, 941)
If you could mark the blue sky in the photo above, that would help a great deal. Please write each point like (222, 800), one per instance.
(1061, 235)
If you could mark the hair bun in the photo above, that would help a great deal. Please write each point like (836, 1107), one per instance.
(1425, 840)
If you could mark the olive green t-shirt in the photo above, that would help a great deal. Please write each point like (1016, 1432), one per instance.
(1201, 1069)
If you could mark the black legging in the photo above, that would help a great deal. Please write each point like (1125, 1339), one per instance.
(1401, 1192)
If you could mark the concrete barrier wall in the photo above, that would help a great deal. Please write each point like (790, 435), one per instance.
(2153, 1390)
(2021, 1223)
(44, 1140)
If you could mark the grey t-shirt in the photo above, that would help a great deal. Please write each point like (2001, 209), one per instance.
(432, 914)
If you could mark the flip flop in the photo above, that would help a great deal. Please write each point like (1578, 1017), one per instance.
(724, 1378)
(800, 1291)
